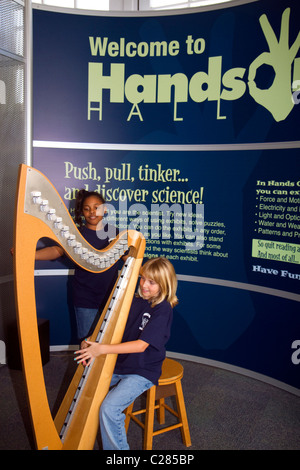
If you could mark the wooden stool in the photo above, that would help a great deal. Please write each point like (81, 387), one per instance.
(169, 384)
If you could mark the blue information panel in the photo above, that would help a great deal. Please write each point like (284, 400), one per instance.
(187, 124)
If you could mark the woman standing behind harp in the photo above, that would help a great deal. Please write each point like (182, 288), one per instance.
(90, 290)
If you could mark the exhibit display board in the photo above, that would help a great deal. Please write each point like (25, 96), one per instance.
(188, 124)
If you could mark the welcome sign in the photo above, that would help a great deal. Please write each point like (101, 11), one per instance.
(213, 84)
(210, 77)
(187, 123)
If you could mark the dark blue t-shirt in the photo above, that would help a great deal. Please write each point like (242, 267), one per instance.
(152, 325)
(91, 290)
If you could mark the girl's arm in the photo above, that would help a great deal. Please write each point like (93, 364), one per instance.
(95, 349)
(49, 253)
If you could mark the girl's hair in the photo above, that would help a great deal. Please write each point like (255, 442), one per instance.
(79, 203)
(161, 271)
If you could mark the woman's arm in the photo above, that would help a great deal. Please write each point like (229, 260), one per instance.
(95, 349)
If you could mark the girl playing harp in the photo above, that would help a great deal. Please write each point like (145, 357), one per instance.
(142, 350)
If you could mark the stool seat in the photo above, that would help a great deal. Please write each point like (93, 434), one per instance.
(169, 384)
(170, 372)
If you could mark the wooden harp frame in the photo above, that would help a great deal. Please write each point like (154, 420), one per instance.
(40, 212)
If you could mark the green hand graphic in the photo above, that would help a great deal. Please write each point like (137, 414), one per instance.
(277, 98)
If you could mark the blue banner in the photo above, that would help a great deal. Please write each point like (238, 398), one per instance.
(213, 77)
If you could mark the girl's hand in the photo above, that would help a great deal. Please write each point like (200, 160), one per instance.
(84, 344)
(94, 350)
(87, 354)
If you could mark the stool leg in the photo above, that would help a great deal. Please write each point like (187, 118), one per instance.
(185, 432)
(161, 411)
(149, 418)
(127, 415)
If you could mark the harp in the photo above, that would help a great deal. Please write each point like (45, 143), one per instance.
(40, 212)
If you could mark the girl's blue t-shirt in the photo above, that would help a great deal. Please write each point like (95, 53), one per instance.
(91, 290)
(152, 325)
